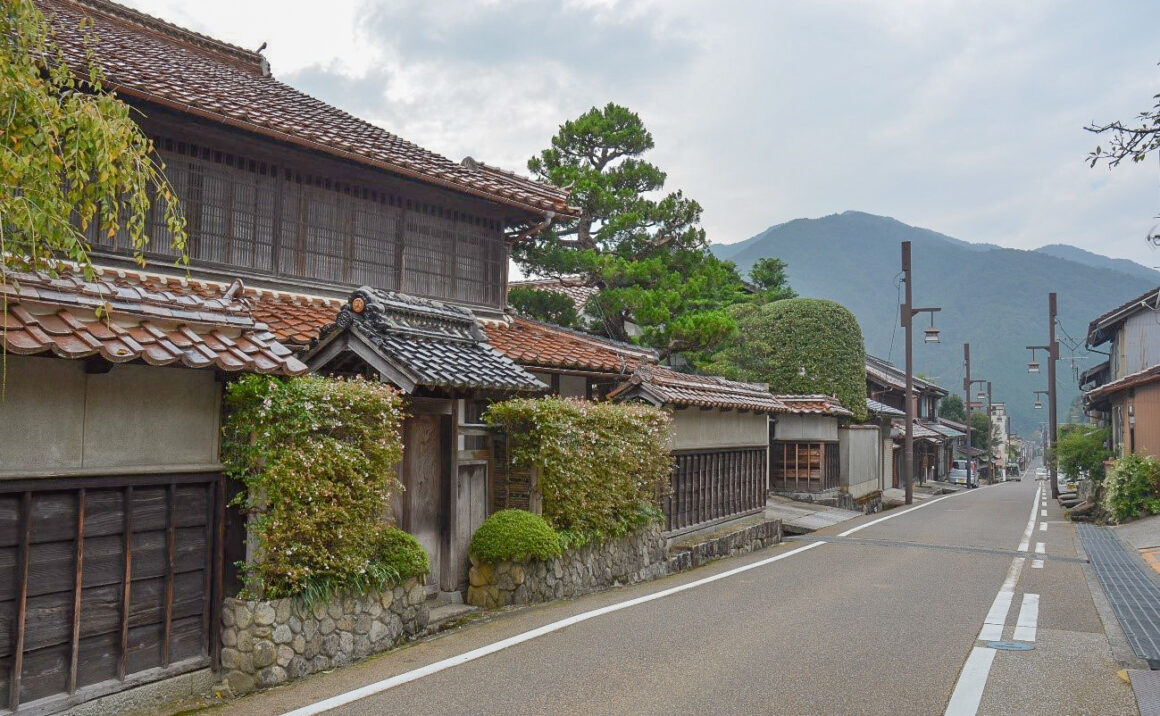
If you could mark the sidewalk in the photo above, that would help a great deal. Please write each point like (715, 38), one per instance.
(804, 517)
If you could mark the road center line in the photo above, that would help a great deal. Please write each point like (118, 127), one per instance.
(997, 616)
(968, 691)
(1026, 541)
(416, 674)
(1028, 622)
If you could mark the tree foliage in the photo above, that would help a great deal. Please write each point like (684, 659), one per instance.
(951, 408)
(542, 305)
(71, 156)
(317, 457)
(797, 345)
(644, 250)
(514, 536)
(1132, 488)
(769, 277)
(981, 425)
(1081, 448)
(602, 466)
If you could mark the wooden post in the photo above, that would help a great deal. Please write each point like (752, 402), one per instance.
(78, 590)
(127, 579)
(21, 598)
(170, 565)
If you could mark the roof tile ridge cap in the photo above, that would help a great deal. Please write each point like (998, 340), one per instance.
(160, 26)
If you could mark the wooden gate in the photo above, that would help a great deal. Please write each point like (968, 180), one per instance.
(106, 583)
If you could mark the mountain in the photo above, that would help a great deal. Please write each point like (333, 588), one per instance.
(992, 297)
(1072, 253)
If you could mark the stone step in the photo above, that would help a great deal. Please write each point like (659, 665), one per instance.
(448, 612)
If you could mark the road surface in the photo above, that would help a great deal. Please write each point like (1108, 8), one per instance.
(873, 616)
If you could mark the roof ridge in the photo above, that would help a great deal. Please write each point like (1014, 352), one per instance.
(224, 50)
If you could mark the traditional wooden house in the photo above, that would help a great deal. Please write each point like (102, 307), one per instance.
(886, 384)
(805, 452)
(720, 443)
(112, 493)
(306, 204)
(1124, 392)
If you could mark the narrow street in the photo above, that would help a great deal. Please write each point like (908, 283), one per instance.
(882, 614)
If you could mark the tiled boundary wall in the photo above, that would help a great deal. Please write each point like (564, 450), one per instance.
(637, 558)
(266, 643)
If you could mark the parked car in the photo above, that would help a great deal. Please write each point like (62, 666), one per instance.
(1067, 483)
(1041, 473)
(958, 474)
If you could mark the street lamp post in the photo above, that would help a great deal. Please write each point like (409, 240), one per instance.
(967, 383)
(1052, 350)
(908, 314)
(1038, 400)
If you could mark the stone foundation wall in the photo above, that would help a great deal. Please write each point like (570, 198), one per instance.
(637, 558)
(266, 643)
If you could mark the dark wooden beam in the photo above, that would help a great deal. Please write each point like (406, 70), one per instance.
(78, 590)
(170, 564)
(21, 599)
(127, 581)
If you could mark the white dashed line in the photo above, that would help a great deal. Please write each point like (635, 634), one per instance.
(1037, 564)
(1040, 548)
(969, 690)
(1028, 618)
(1042, 526)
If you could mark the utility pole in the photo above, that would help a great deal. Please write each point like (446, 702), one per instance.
(990, 438)
(967, 405)
(1052, 349)
(931, 336)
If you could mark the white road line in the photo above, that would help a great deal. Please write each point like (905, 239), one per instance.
(416, 674)
(1042, 526)
(1028, 618)
(1023, 543)
(969, 689)
(1043, 513)
(1040, 548)
(997, 616)
(892, 515)
(1037, 564)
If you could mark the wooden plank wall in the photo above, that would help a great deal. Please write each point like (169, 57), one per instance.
(101, 578)
(708, 485)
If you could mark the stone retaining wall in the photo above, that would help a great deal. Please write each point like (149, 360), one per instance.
(266, 643)
(639, 557)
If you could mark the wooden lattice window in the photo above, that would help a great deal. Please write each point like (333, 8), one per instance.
(806, 466)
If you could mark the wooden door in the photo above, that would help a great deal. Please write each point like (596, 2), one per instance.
(470, 512)
(105, 583)
(423, 455)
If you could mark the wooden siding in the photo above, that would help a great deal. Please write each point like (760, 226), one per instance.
(291, 216)
(804, 466)
(709, 485)
(104, 578)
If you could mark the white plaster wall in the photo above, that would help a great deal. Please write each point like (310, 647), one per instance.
(859, 453)
(57, 418)
(806, 427)
(694, 428)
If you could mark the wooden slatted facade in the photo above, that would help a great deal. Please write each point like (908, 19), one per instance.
(804, 466)
(112, 582)
(709, 485)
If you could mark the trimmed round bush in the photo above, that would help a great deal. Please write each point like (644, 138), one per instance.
(401, 552)
(798, 345)
(514, 536)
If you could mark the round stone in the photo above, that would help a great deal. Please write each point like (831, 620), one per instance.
(282, 634)
(264, 614)
(242, 616)
(271, 676)
(264, 654)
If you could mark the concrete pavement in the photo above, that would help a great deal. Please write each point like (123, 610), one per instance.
(882, 620)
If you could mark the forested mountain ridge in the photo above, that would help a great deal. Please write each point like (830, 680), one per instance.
(992, 297)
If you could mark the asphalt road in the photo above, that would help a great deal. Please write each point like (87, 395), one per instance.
(881, 621)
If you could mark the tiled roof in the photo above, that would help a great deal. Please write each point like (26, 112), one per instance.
(887, 374)
(153, 60)
(532, 343)
(814, 405)
(1101, 329)
(883, 409)
(573, 288)
(1132, 380)
(665, 386)
(921, 432)
(122, 319)
(944, 430)
(421, 342)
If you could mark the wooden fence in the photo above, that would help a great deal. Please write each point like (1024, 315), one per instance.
(709, 485)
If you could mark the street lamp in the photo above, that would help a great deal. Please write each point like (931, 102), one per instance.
(931, 336)
(985, 395)
(1038, 402)
(967, 383)
(1052, 349)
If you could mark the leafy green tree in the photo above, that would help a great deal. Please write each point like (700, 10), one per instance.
(71, 155)
(542, 305)
(644, 250)
(1132, 141)
(980, 425)
(951, 408)
(798, 345)
(769, 277)
(1082, 448)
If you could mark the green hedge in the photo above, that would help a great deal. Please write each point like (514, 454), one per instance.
(797, 345)
(317, 457)
(1132, 488)
(602, 466)
(514, 536)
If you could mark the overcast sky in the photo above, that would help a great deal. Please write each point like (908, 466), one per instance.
(961, 116)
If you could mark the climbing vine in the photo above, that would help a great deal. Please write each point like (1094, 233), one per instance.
(317, 457)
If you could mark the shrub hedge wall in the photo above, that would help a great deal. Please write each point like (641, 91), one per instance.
(1132, 488)
(514, 536)
(317, 457)
(603, 466)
